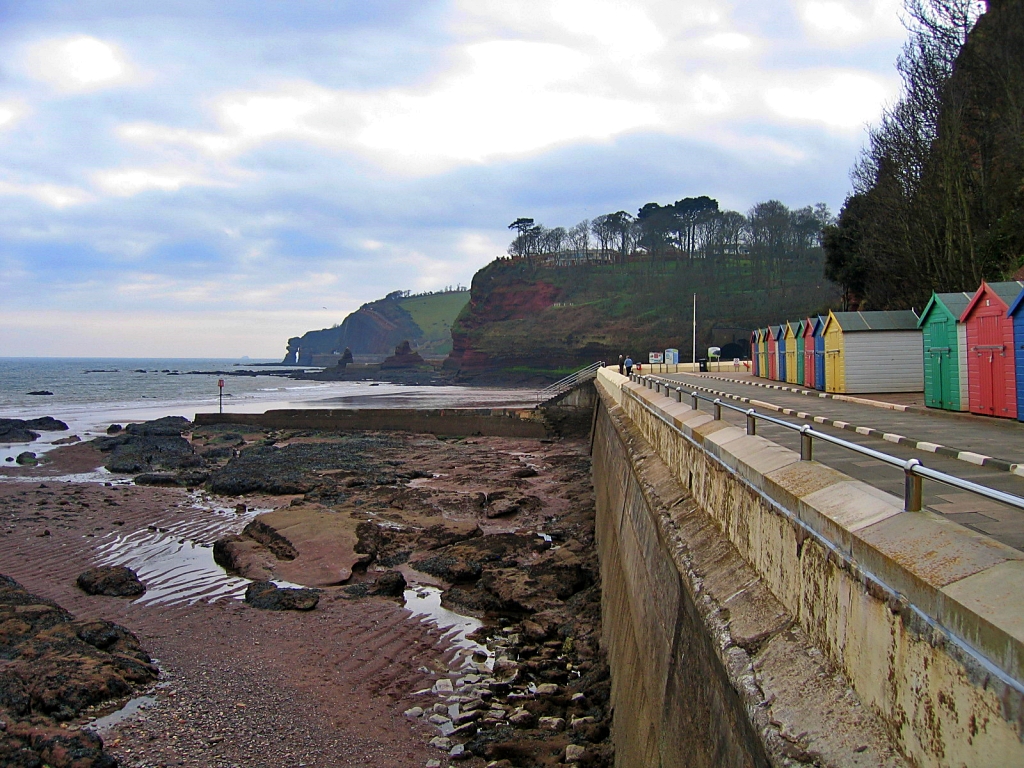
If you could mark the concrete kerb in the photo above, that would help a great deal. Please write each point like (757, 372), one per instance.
(926, 564)
(970, 457)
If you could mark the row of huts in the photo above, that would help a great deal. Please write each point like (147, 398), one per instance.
(963, 351)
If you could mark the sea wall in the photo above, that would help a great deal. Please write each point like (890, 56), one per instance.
(495, 422)
(760, 609)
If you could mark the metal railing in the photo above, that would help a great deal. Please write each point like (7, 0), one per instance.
(913, 470)
(573, 379)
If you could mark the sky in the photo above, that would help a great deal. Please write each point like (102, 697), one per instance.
(198, 179)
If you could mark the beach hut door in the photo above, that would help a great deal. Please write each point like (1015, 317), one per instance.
(938, 359)
(991, 354)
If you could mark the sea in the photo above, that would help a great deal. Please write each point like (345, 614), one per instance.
(90, 394)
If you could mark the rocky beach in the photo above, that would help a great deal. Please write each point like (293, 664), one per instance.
(273, 629)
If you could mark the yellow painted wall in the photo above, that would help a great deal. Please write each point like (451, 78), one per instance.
(835, 360)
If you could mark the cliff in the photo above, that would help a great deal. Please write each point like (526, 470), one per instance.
(530, 322)
(378, 327)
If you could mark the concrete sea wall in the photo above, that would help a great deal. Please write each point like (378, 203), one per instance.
(440, 421)
(763, 610)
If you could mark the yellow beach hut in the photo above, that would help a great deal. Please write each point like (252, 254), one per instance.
(791, 352)
(873, 352)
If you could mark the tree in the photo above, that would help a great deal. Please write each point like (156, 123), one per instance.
(621, 225)
(578, 238)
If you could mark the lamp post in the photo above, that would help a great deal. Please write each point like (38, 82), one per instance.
(220, 385)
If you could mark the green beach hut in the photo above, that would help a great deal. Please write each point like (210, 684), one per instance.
(945, 351)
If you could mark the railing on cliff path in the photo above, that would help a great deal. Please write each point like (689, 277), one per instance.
(562, 386)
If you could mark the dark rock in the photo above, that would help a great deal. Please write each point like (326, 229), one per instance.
(281, 548)
(40, 392)
(152, 445)
(54, 669)
(158, 479)
(113, 581)
(70, 440)
(168, 426)
(389, 584)
(404, 357)
(525, 472)
(27, 458)
(269, 597)
(113, 429)
(23, 430)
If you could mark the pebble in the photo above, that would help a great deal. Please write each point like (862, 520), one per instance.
(433, 764)
(438, 719)
(441, 742)
(574, 753)
(578, 722)
(444, 685)
(458, 752)
(413, 712)
(547, 689)
(551, 723)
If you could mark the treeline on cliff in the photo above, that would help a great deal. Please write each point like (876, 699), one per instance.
(938, 194)
(543, 314)
(765, 245)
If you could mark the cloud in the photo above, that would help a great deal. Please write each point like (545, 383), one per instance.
(11, 112)
(80, 63)
(842, 22)
(53, 195)
(841, 100)
(126, 182)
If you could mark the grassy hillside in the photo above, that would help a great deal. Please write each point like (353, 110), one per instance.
(434, 314)
(529, 319)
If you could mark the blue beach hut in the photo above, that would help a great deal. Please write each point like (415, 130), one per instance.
(780, 340)
(1016, 311)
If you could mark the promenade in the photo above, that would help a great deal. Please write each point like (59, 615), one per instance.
(984, 450)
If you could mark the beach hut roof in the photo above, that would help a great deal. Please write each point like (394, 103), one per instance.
(1015, 306)
(852, 322)
(776, 331)
(1007, 293)
(956, 303)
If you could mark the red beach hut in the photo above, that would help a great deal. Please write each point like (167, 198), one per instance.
(992, 383)
(809, 324)
(773, 353)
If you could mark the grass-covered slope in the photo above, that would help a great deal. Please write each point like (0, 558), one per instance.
(378, 327)
(526, 320)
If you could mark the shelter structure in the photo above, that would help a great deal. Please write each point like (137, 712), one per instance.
(773, 352)
(789, 334)
(872, 352)
(798, 332)
(808, 378)
(780, 351)
(945, 351)
(762, 352)
(1016, 313)
(755, 359)
(819, 353)
(991, 372)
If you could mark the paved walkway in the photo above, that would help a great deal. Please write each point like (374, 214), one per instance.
(999, 521)
(996, 443)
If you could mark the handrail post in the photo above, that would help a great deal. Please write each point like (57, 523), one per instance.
(718, 409)
(693, 400)
(912, 487)
(679, 394)
(751, 422)
(806, 443)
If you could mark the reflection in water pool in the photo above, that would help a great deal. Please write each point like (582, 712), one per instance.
(425, 604)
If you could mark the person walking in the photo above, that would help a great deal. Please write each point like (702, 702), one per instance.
(628, 363)
(621, 364)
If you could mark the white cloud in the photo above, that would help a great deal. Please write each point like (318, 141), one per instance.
(728, 42)
(125, 182)
(845, 22)
(54, 195)
(837, 99)
(11, 112)
(79, 63)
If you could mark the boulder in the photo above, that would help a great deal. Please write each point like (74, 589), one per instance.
(389, 584)
(269, 597)
(40, 392)
(112, 581)
(27, 458)
(404, 357)
(113, 429)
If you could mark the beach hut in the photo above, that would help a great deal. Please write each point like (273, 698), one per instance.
(819, 353)
(755, 359)
(1016, 313)
(764, 353)
(780, 349)
(798, 331)
(945, 351)
(991, 380)
(872, 352)
(773, 352)
(789, 334)
(808, 379)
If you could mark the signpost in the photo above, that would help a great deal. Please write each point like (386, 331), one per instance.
(220, 384)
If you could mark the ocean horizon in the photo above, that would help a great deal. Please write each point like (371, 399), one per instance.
(90, 393)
